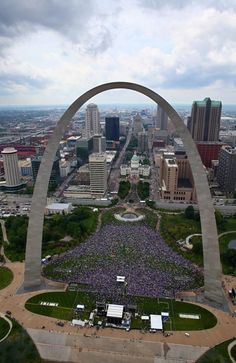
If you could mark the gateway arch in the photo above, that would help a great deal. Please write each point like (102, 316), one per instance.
(212, 265)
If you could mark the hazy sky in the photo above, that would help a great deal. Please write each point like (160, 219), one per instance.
(51, 51)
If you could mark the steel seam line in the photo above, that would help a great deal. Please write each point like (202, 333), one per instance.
(212, 265)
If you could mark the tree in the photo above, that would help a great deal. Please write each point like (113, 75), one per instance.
(189, 212)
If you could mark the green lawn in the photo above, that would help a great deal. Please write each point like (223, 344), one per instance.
(233, 352)
(18, 347)
(4, 328)
(6, 277)
(67, 303)
(218, 354)
(146, 306)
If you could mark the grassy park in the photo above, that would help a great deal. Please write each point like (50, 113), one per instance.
(6, 277)
(218, 354)
(4, 328)
(124, 188)
(68, 300)
(18, 347)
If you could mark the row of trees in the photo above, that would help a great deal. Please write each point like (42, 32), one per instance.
(78, 225)
(143, 190)
(124, 188)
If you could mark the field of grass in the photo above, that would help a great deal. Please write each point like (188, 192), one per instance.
(218, 354)
(4, 328)
(145, 306)
(18, 347)
(6, 277)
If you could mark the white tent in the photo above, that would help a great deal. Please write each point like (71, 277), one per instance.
(156, 322)
(115, 311)
(120, 278)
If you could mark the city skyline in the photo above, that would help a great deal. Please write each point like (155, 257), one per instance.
(52, 52)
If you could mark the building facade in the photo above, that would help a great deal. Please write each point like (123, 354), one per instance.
(55, 173)
(204, 123)
(137, 125)
(99, 144)
(11, 168)
(92, 121)
(112, 127)
(98, 174)
(142, 142)
(226, 173)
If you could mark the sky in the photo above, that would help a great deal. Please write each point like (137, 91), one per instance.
(52, 51)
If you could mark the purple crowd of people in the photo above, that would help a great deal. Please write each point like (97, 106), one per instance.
(150, 266)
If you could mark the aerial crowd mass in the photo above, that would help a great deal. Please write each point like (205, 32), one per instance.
(150, 266)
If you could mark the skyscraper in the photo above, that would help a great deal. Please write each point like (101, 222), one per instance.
(55, 173)
(98, 173)
(204, 123)
(138, 124)
(142, 141)
(10, 162)
(226, 173)
(112, 125)
(92, 121)
(161, 119)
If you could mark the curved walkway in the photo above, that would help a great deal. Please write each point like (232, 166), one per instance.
(222, 234)
(10, 326)
(5, 239)
(230, 346)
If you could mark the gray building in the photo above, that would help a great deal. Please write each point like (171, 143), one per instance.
(99, 144)
(142, 141)
(226, 173)
(161, 119)
(98, 174)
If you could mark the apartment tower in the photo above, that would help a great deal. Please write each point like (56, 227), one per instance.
(204, 123)
(10, 162)
(92, 121)
(98, 174)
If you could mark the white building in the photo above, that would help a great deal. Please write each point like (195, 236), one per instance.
(135, 169)
(92, 121)
(10, 162)
(98, 174)
(25, 167)
(65, 167)
(62, 208)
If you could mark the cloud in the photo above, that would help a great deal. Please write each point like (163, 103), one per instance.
(180, 4)
(78, 20)
(12, 82)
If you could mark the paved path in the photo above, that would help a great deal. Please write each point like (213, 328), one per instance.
(5, 239)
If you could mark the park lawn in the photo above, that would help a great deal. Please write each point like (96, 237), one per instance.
(18, 347)
(108, 215)
(233, 352)
(146, 306)
(4, 328)
(218, 354)
(67, 301)
(6, 277)
(176, 226)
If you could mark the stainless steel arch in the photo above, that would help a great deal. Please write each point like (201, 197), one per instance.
(212, 265)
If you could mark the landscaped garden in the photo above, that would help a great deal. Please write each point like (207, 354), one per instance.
(6, 277)
(18, 347)
(124, 188)
(67, 302)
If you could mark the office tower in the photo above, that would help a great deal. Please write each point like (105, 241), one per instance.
(99, 144)
(204, 123)
(84, 148)
(55, 173)
(142, 141)
(161, 119)
(92, 120)
(138, 124)
(112, 126)
(10, 162)
(226, 174)
(98, 173)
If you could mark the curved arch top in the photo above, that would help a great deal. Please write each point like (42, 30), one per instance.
(212, 264)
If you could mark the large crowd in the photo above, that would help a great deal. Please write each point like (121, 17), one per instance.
(150, 266)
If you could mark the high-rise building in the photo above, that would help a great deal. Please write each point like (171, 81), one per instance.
(176, 177)
(142, 141)
(11, 168)
(55, 174)
(92, 120)
(99, 144)
(161, 119)
(204, 123)
(138, 124)
(226, 173)
(98, 174)
(112, 126)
